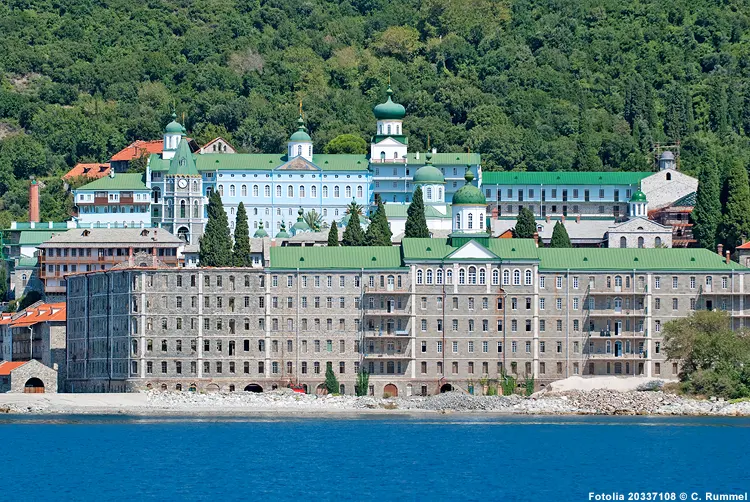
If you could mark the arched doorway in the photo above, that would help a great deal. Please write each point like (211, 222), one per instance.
(390, 390)
(33, 386)
(254, 387)
(321, 390)
(183, 233)
(446, 388)
(212, 387)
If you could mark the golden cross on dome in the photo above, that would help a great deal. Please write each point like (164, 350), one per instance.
(389, 77)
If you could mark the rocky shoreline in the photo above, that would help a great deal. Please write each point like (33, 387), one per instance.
(287, 403)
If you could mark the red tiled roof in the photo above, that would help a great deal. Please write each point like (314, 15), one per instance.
(8, 366)
(45, 312)
(744, 246)
(95, 171)
(6, 318)
(138, 148)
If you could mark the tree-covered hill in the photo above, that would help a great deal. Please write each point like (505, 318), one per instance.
(534, 85)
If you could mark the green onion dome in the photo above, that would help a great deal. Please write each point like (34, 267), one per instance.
(301, 133)
(282, 232)
(301, 225)
(638, 196)
(469, 195)
(428, 174)
(174, 126)
(389, 110)
(261, 232)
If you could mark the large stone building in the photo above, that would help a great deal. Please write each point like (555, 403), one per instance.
(427, 316)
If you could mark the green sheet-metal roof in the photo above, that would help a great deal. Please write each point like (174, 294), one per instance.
(686, 201)
(267, 162)
(437, 249)
(449, 159)
(366, 257)
(514, 249)
(399, 211)
(629, 259)
(120, 181)
(36, 237)
(183, 162)
(563, 178)
(26, 263)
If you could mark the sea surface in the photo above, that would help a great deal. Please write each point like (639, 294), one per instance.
(371, 458)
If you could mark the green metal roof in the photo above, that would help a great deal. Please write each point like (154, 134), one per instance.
(120, 181)
(26, 262)
(396, 210)
(629, 259)
(686, 201)
(445, 159)
(37, 237)
(264, 162)
(335, 258)
(437, 249)
(183, 162)
(25, 225)
(514, 249)
(563, 178)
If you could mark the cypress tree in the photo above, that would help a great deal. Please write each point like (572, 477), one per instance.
(216, 243)
(677, 117)
(353, 235)
(241, 251)
(718, 108)
(332, 384)
(736, 223)
(363, 382)
(525, 224)
(706, 215)
(333, 235)
(378, 233)
(416, 223)
(560, 238)
(587, 145)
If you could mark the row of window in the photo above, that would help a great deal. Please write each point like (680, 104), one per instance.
(218, 367)
(473, 275)
(530, 194)
(218, 346)
(301, 191)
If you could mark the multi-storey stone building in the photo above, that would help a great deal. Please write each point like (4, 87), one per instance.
(428, 316)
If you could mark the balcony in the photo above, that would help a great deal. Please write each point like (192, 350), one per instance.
(617, 290)
(626, 357)
(387, 290)
(386, 333)
(388, 354)
(385, 311)
(618, 312)
(621, 334)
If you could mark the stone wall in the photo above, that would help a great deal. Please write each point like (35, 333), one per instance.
(33, 369)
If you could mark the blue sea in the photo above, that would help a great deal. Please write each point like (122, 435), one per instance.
(382, 458)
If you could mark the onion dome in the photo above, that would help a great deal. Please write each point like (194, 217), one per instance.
(638, 196)
(283, 234)
(666, 155)
(174, 126)
(428, 174)
(301, 225)
(261, 232)
(301, 133)
(469, 195)
(389, 110)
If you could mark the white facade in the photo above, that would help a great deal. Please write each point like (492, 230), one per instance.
(639, 232)
(388, 151)
(667, 186)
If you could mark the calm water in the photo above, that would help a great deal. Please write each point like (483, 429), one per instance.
(456, 458)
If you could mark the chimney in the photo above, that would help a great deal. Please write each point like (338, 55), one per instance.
(728, 258)
(34, 202)
(562, 219)
(434, 150)
(416, 156)
(720, 249)
(578, 218)
(547, 219)
(536, 239)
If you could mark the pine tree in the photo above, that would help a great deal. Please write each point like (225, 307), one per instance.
(241, 251)
(706, 215)
(216, 243)
(332, 384)
(378, 233)
(333, 235)
(353, 235)
(416, 222)
(560, 238)
(525, 224)
(736, 221)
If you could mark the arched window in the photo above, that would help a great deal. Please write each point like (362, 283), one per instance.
(278, 190)
(506, 277)
(470, 221)
(395, 155)
(527, 278)
(429, 276)
(299, 149)
(398, 129)
(428, 193)
(618, 304)
(195, 186)
(449, 276)
(380, 128)
(461, 276)
(255, 191)
(290, 191)
(325, 191)
(309, 151)
(419, 276)
(669, 176)
(232, 191)
(640, 242)
(301, 191)
(156, 195)
(657, 242)
(472, 275)
(481, 221)
(359, 192)
(382, 156)
(267, 191)
(440, 193)
(336, 191)
(389, 128)
(495, 277)
(313, 191)
(516, 277)
(482, 276)
(24, 279)
(244, 190)
(439, 276)
(458, 220)
(221, 190)
(196, 210)
(623, 242)
(618, 281)
(182, 209)
(348, 192)
(170, 209)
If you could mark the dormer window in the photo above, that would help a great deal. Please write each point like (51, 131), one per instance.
(299, 149)
(182, 162)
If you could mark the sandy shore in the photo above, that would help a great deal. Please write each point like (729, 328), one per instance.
(286, 403)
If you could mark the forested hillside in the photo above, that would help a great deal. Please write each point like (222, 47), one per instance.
(532, 85)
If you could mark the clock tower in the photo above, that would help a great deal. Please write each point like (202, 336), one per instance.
(184, 204)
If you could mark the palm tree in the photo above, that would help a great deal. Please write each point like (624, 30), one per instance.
(313, 220)
(353, 206)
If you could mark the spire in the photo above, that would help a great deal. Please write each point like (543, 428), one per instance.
(468, 176)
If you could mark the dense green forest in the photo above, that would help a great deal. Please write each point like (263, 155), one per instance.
(530, 84)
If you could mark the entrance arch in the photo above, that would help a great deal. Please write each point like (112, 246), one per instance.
(390, 390)
(212, 387)
(184, 234)
(33, 386)
(321, 390)
(446, 388)
(254, 387)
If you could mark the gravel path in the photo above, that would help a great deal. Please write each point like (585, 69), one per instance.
(287, 403)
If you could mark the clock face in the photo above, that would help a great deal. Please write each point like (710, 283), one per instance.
(182, 183)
